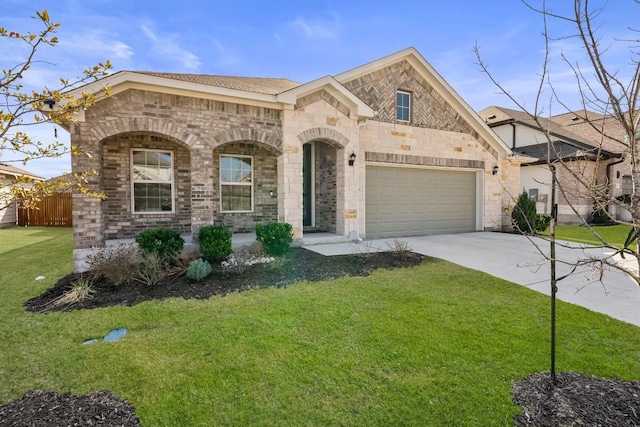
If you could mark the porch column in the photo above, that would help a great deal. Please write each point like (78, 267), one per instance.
(290, 177)
(203, 206)
(88, 218)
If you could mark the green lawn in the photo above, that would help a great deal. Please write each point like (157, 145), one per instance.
(613, 234)
(434, 345)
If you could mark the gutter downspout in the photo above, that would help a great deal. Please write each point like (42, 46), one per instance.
(609, 166)
(513, 137)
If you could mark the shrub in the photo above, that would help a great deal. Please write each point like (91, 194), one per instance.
(198, 270)
(80, 290)
(599, 215)
(524, 213)
(180, 263)
(400, 248)
(214, 242)
(163, 242)
(116, 264)
(542, 222)
(275, 237)
(152, 269)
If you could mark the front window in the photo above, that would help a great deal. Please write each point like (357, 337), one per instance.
(236, 183)
(152, 181)
(402, 106)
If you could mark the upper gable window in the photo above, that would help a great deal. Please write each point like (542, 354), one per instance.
(403, 102)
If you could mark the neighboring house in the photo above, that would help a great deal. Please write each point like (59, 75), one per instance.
(584, 155)
(386, 149)
(8, 206)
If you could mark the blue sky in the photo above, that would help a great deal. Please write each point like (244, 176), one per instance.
(305, 40)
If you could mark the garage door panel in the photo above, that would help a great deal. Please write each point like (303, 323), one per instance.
(403, 201)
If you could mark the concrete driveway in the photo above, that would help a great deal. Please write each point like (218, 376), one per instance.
(514, 258)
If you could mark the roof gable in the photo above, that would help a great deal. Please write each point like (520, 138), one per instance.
(437, 104)
(334, 88)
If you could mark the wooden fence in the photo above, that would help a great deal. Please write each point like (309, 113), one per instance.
(54, 210)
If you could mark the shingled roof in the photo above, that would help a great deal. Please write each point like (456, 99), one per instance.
(582, 138)
(594, 128)
(9, 171)
(267, 86)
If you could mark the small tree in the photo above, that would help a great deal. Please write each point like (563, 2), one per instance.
(524, 213)
(614, 95)
(21, 109)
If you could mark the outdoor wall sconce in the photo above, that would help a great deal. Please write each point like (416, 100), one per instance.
(352, 158)
(494, 170)
(50, 103)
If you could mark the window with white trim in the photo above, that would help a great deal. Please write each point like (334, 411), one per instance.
(151, 181)
(403, 101)
(236, 183)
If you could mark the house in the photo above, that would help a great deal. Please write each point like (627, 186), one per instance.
(582, 150)
(8, 206)
(386, 149)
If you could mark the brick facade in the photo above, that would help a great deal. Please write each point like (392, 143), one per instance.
(193, 129)
(197, 130)
(325, 187)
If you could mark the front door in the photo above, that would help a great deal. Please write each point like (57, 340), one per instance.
(307, 185)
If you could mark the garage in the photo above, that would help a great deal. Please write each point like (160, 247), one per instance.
(405, 201)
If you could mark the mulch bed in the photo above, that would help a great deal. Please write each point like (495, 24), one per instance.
(39, 408)
(576, 400)
(299, 264)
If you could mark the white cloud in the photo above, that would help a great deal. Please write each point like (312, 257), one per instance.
(166, 46)
(316, 29)
(226, 57)
(97, 43)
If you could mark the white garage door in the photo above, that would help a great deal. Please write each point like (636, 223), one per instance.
(403, 201)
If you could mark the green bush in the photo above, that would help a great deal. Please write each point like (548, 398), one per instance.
(163, 242)
(542, 222)
(275, 237)
(215, 242)
(524, 213)
(198, 270)
(599, 215)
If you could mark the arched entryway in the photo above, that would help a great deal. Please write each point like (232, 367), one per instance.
(320, 189)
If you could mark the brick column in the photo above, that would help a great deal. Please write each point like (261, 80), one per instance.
(88, 218)
(203, 206)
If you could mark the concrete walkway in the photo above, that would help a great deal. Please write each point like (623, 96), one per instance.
(515, 258)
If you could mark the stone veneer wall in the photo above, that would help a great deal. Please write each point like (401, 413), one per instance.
(120, 221)
(265, 188)
(325, 187)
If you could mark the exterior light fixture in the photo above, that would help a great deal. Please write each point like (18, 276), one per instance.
(352, 158)
(50, 103)
(494, 171)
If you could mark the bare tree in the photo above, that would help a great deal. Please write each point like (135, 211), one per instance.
(609, 105)
(21, 110)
